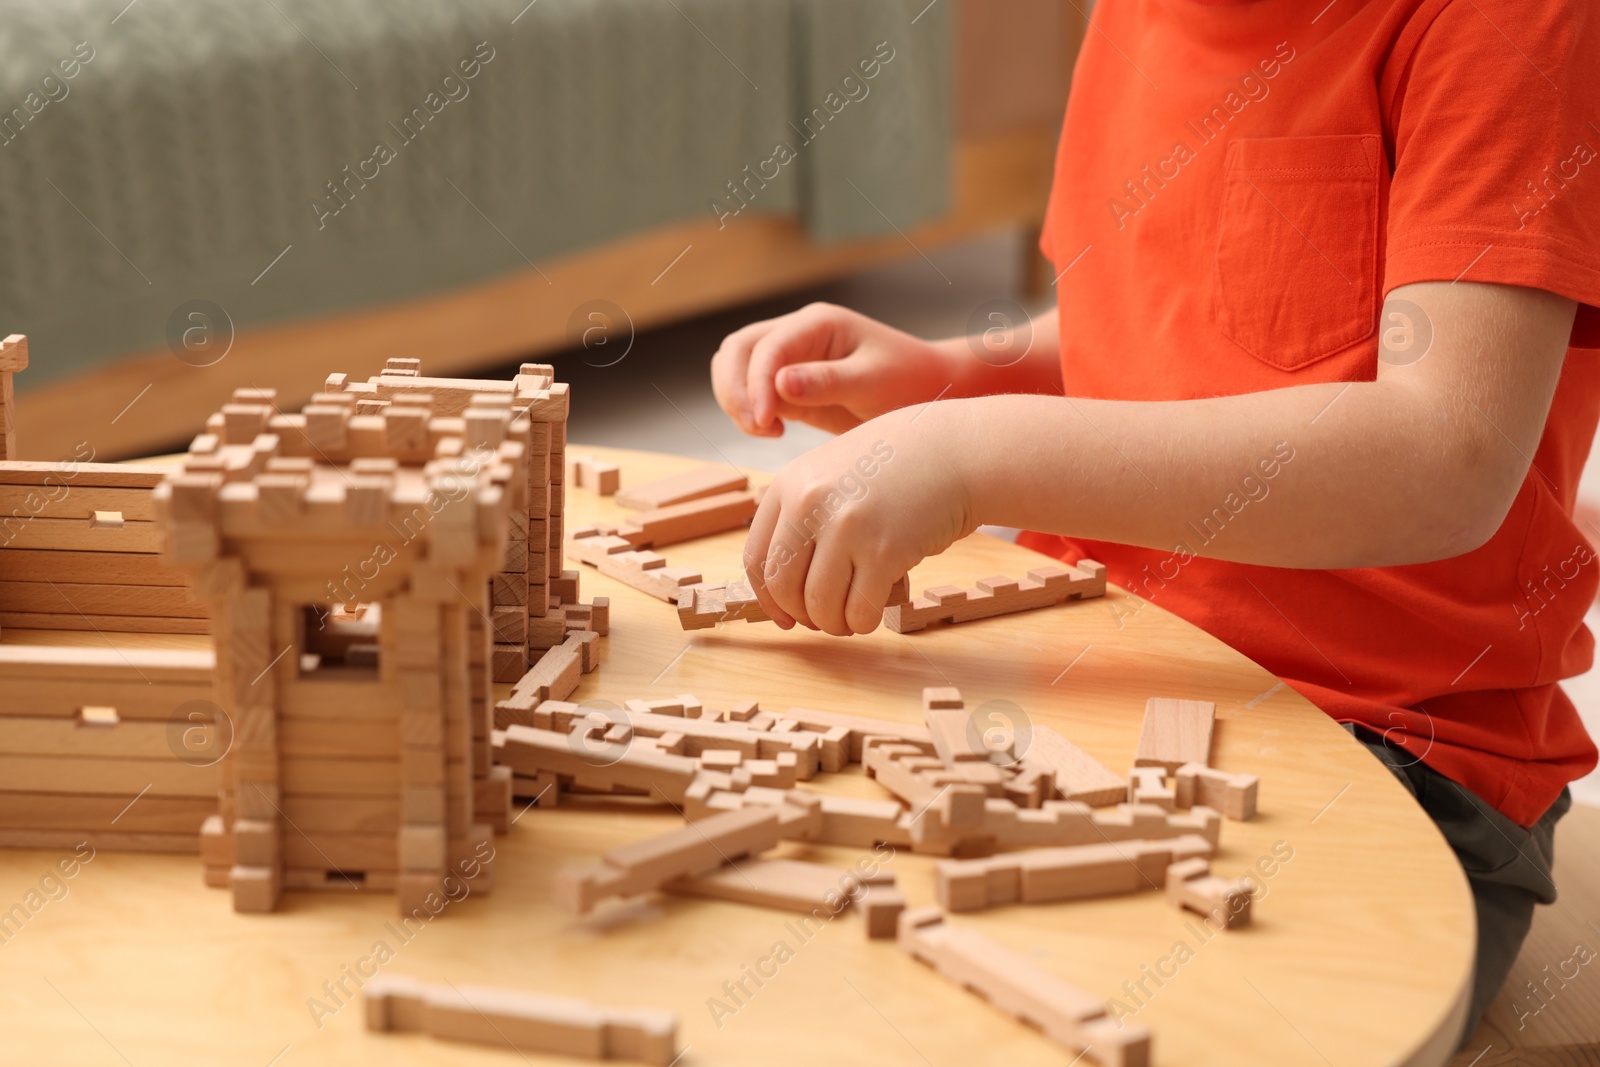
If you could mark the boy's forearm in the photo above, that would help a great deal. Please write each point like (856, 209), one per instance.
(1247, 478)
(1011, 362)
(1421, 464)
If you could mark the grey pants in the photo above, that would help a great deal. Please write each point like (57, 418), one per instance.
(1508, 866)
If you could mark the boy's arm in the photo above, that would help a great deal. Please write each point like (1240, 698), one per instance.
(834, 368)
(1420, 464)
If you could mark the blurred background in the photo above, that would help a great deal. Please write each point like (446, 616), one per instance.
(199, 195)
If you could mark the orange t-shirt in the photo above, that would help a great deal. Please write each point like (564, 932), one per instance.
(1238, 187)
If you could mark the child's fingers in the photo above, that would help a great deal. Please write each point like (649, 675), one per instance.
(817, 383)
(827, 586)
(729, 371)
(869, 591)
(784, 575)
(757, 549)
(808, 334)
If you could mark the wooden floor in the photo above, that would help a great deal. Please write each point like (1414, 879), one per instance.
(1559, 1025)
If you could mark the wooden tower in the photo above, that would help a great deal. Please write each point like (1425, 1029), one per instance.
(345, 556)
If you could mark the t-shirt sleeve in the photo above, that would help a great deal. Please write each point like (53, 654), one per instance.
(1497, 152)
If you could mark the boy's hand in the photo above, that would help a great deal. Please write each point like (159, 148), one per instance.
(843, 522)
(823, 365)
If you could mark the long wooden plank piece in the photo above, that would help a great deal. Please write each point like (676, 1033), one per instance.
(1022, 989)
(525, 1022)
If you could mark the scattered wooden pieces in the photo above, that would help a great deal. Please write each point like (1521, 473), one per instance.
(525, 1022)
(603, 479)
(1191, 885)
(1043, 587)
(691, 485)
(1020, 988)
(1043, 875)
(695, 849)
(1175, 732)
(1232, 794)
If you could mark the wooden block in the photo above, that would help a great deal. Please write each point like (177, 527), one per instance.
(1192, 886)
(1232, 794)
(705, 605)
(1078, 775)
(553, 677)
(881, 911)
(882, 763)
(103, 623)
(858, 728)
(63, 811)
(79, 535)
(1021, 989)
(603, 479)
(82, 475)
(1003, 826)
(103, 840)
(721, 759)
(216, 846)
(88, 568)
(1046, 875)
(1175, 732)
(107, 775)
(422, 848)
(14, 353)
(1030, 787)
(524, 1022)
(780, 772)
(63, 498)
(514, 557)
(530, 752)
(1043, 587)
(49, 597)
(255, 889)
(510, 625)
(702, 517)
(508, 590)
(956, 738)
(564, 587)
(700, 734)
(862, 823)
(645, 571)
(691, 485)
(1147, 785)
(695, 849)
(787, 885)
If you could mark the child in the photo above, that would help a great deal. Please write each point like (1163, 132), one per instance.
(1375, 504)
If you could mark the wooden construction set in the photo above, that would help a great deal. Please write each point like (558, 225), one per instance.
(369, 568)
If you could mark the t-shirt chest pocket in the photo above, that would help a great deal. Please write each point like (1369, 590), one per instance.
(1296, 276)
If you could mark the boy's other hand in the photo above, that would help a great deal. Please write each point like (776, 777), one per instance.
(846, 520)
(826, 366)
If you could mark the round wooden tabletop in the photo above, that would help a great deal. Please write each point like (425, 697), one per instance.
(1360, 950)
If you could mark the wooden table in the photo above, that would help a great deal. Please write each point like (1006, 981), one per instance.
(1360, 951)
